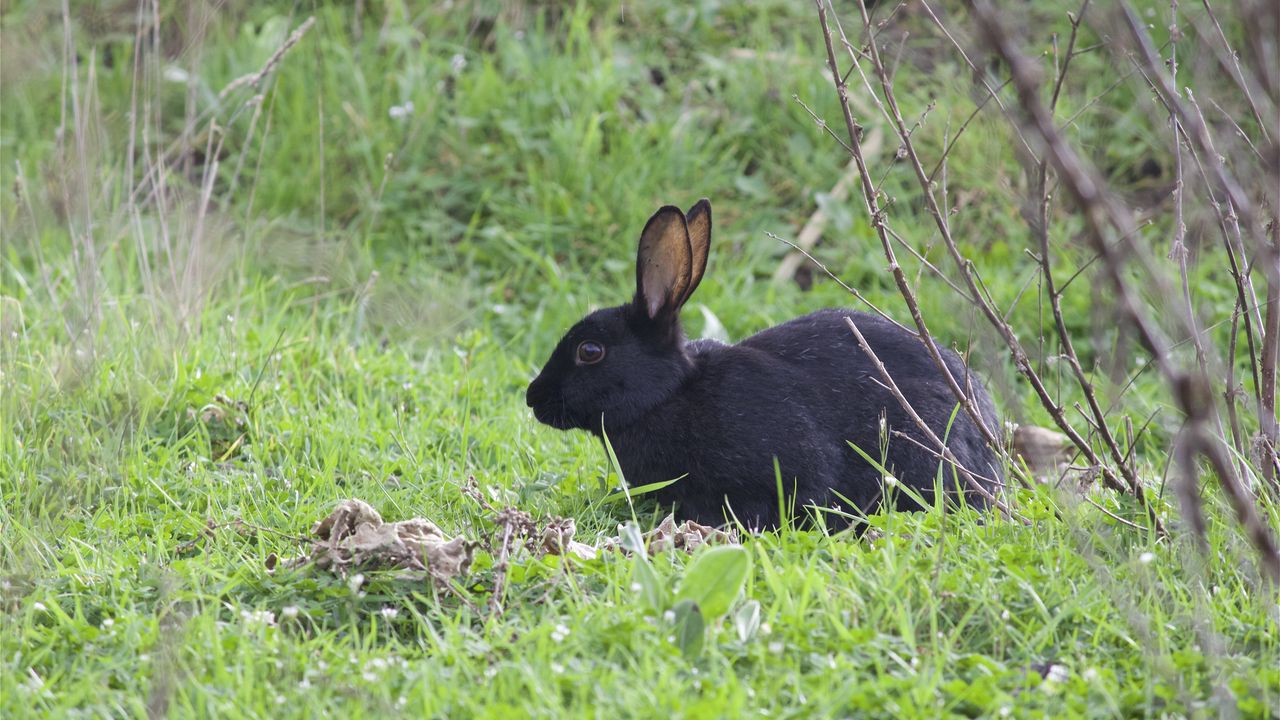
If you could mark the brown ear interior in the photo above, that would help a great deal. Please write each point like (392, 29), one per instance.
(699, 221)
(663, 262)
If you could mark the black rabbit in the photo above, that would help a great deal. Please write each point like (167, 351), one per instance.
(797, 394)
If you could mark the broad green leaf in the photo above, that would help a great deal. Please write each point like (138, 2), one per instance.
(714, 579)
(690, 628)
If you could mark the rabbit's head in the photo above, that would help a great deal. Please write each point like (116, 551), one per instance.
(618, 363)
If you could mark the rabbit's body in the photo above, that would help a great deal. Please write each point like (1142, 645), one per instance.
(720, 415)
(804, 392)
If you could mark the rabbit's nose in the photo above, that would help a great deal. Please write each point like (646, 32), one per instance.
(536, 393)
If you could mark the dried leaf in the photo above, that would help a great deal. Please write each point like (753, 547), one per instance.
(1044, 450)
(343, 520)
(354, 535)
(686, 536)
(557, 539)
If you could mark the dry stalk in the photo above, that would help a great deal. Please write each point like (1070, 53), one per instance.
(1105, 216)
(255, 79)
(871, 198)
(1240, 212)
(975, 293)
(845, 286)
(1041, 228)
(971, 479)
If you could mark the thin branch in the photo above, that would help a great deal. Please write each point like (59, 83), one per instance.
(1101, 211)
(971, 480)
(875, 211)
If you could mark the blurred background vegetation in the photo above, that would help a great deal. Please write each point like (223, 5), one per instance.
(482, 155)
(258, 256)
(492, 162)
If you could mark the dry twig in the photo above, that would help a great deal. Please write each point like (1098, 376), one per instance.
(1106, 217)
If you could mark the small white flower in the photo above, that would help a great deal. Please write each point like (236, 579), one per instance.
(389, 613)
(1146, 558)
(107, 623)
(39, 606)
(258, 617)
(635, 587)
(355, 581)
(1057, 674)
(669, 616)
(891, 481)
(400, 112)
(1090, 674)
(560, 633)
(304, 684)
(776, 647)
(457, 63)
(557, 668)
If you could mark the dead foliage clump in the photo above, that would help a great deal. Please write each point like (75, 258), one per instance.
(354, 536)
(686, 536)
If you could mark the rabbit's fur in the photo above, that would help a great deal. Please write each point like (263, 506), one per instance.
(720, 415)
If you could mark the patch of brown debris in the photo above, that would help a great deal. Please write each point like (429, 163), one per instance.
(355, 536)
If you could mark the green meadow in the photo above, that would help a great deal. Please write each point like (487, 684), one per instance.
(260, 258)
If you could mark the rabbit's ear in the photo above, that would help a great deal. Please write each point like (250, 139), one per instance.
(699, 221)
(663, 263)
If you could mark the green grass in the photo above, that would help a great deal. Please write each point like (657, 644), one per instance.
(381, 319)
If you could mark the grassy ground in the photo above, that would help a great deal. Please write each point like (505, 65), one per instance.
(343, 290)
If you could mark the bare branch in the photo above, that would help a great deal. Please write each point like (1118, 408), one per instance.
(1103, 214)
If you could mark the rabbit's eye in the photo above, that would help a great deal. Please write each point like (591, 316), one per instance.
(590, 352)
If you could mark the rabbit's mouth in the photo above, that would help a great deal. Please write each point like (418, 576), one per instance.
(548, 406)
(553, 414)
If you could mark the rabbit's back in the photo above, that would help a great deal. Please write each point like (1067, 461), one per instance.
(802, 392)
